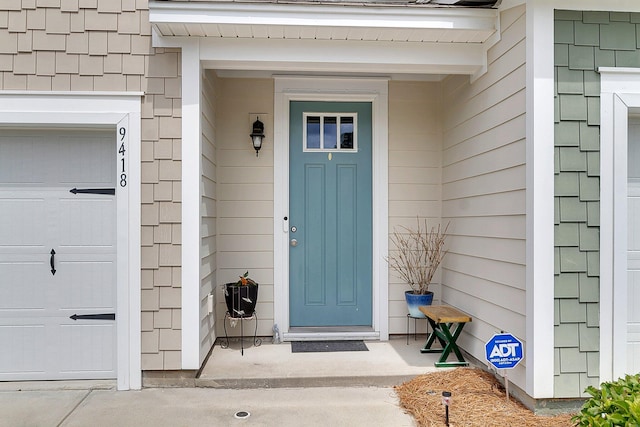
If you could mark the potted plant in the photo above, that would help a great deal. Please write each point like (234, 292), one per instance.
(417, 255)
(241, 296)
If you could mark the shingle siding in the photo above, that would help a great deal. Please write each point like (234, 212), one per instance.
(105, 45)
(584, 41)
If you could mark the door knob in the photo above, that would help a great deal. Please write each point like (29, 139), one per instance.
(294, 242)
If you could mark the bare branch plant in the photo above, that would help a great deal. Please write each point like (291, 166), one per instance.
(418, 253)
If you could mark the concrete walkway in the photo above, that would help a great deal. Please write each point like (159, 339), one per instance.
(192, 407)
(277, 388)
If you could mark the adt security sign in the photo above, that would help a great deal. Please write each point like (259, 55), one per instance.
(504, 351)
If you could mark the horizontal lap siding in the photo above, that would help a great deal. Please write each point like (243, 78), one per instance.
(209, 197)
(415, 173)
(105, 45)
(244, 194)
(483, 193)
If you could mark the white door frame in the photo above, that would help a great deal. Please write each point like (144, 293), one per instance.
(115, 110)
(619, 97)
(374, 90)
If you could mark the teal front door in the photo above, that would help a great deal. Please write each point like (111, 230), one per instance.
(330, 252)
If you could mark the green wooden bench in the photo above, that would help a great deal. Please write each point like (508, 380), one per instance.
(442, 319)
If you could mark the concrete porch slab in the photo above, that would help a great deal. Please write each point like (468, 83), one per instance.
(387, 363)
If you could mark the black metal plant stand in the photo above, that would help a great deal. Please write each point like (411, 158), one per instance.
(415, 320)
(256, 341)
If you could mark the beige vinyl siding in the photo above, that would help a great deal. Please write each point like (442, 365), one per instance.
(483, 193)
(415, 157)
(244, 194)
(208, 249)
(105, 45)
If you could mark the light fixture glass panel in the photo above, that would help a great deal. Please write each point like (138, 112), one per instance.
(346, 133)
(330, 132)
(313, 132)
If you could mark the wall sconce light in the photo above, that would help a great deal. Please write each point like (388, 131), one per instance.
(257, 135)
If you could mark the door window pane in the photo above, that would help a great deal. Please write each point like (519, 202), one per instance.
(313, 132)
(346, 133)
(330, 132)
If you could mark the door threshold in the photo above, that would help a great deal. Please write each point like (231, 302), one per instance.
(331, 333)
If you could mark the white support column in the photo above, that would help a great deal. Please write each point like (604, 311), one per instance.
(191, 191)
(540, 200)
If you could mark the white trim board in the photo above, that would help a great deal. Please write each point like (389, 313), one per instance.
(540, 203)
(113, 110)
(619, 97)
(372, 90)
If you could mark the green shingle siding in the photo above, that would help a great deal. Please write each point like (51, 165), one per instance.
(595, 17)
(605, 58)
(593, 365)
(566, 134)
(573, 107)
(570, 81)
(593, 164)
(589, 137)
(567, 184)
(572, 159)
(589, 338)
(618, 36)
(567, 286)
(581, 57)
(572, 360)
(627, 58)
(589, 187)
(586, 34)
(566, 335)
(572, 209)
(591, 83)
(572, 311)
(588, 288)
(593, 214)
(563, 32)
(584, 41)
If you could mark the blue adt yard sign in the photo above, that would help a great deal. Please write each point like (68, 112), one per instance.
(504, 351)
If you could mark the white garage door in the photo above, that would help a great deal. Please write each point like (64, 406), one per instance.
(57, 255)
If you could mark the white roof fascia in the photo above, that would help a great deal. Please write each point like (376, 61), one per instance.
(322, 15)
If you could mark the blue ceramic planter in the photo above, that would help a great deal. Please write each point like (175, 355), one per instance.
(416, 300)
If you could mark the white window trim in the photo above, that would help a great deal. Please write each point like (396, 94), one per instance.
(323, 149)
(101, 109)
(374, 90)
(619, 96)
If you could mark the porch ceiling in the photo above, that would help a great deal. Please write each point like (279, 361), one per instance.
(416, 29)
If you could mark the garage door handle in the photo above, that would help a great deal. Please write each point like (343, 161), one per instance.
(93, 191)
(52, 262)
(103, 316)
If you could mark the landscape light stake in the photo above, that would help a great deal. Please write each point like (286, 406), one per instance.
(446, 399)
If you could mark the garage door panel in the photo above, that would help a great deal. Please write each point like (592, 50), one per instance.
(26, 356)
(22, 223)
(22, 161)
(87, 285)
(88, 347)
(23, 286)
(87, 162)
(87, 222)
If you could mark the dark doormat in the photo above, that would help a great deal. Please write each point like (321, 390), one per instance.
(327, 346)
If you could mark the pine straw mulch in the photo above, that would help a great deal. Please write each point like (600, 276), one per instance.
(478, 399)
